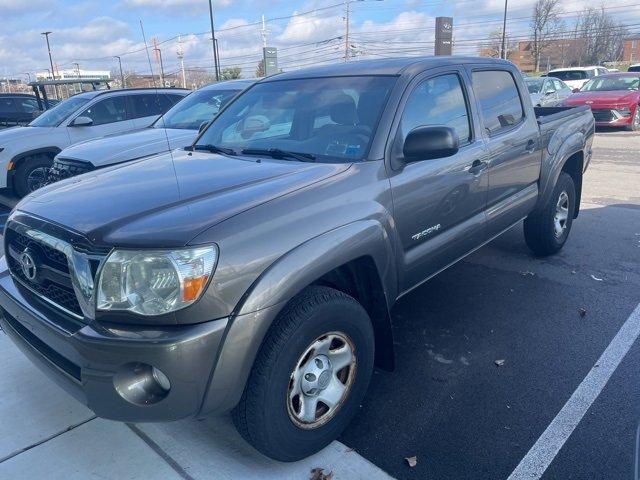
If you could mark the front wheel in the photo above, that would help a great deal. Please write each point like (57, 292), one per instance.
(635, 122)
(547, 230)
(32, 173)
(309, 377)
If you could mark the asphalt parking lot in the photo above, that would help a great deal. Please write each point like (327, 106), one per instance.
(555, 399)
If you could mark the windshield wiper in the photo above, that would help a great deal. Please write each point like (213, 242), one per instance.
(212, 149)
(280, 154)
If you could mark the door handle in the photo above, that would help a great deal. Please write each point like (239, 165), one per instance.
(477, 166)
(531, 146)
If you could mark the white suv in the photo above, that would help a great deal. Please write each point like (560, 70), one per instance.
(576, 77)
(28, 152)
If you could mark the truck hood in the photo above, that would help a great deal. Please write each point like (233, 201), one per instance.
(111, 149)
(15, 134)
(166, 200)
(594, 99)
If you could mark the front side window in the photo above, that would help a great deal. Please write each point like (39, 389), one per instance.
(568, 75)
(58, 114)
(437, 101)
(7, 105)
(500, 102)
(329, 119)
(29, 105)
(194, 110)
(109, 110)
(534, 85)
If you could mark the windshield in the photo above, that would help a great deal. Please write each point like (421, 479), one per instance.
(195, 109)
(568, 75)
(56, 115)
(534, 84)
(330, 119)
(606, 84)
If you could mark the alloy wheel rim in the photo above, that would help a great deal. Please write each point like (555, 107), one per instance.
(321, 381)
(37, 178)
(562, 214)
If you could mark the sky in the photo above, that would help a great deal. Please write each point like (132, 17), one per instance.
(305, 32)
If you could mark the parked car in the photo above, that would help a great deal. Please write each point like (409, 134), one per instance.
(547, 91)
(634, 68)
(255, 270)
(613, 100)
(27, 152)
(176, 128)
(17, 109)
(576, 77)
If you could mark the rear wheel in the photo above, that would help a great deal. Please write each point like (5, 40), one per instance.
(547, 230)
(31, 174)
(309, 377)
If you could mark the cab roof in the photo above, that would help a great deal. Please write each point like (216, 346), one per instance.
(384, 66)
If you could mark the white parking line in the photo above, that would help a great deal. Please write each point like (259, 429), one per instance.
(538, 459)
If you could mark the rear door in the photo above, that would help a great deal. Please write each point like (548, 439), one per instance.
(512, 136)
(145, 108)
(439, 203)
(28, 108)
(8, 111)
(108, 115)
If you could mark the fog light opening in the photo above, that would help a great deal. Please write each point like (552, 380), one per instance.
(141, 384)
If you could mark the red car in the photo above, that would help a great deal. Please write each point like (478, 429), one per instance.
(613, 99)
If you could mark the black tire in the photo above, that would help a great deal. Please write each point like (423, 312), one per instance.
(635, 123)
(539, 228)
(262, 417)
(22, 184)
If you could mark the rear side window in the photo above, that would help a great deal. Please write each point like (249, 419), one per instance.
(437, 101)
(7, 105)
(499, 99)
(28, 105)
(109, 110)
(173, 99)
(150, 104)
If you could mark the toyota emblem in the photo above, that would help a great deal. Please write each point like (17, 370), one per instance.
(28, 266)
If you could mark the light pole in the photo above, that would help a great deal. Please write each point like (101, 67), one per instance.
(213, 43)
(503, 53)
(121, 75)
(53, 75)
(161, 65)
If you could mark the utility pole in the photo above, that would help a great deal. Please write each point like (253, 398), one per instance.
(213, 43)
(264, 32)
(347, 14)
(156, 49)
(121, 75)
(53, 75)
(77, 68)
(503, 52)
(180, 54)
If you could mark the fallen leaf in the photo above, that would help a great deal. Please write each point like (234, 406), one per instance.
(583, 311)
(318, 474)
(500, 362)
(597, 279)
(412, 461)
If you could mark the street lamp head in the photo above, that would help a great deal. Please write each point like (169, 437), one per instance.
(46, 33)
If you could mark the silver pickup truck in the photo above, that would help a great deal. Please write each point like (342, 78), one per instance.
(255, 270)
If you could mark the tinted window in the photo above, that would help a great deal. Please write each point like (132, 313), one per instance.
(437, 101)
(28, 105)
(568, 75)
(197, 108)
(634, 68)
(105, 111)
(56, 115)
(7, 105)
(499, 99)
(150, 104)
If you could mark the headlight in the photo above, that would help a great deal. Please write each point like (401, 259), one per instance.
(154, 282)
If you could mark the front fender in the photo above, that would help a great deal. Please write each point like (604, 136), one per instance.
(278, 284)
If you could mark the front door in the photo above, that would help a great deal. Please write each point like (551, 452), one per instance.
(108, 115)
(438, 203)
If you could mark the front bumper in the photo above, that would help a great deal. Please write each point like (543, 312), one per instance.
(88, 361)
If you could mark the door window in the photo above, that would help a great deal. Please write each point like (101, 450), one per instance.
(7, 105)
(149, 105)
(109, 110)
(499, 99)
(437, 101)
(558, 85)
(29, 105)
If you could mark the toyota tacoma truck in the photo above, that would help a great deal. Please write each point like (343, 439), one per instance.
(253, 272)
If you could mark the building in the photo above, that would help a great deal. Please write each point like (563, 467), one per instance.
(556, 54)
(631, 50)
(73, 74)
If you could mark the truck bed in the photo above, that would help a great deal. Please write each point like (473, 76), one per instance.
(551, 114)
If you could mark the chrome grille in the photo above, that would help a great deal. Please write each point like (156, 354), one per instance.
(66, 168)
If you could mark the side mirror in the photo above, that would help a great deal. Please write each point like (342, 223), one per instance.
(429, 142)
(254, 124)
(203, 126)
(82, 122)
(575, 90)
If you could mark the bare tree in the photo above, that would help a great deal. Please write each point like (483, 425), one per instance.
(493, 48)
(230, 73)
(545, 25)
(260, 72)
(599, 36)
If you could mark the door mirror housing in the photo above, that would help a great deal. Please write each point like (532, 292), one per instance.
(429, 142)
(82, 122)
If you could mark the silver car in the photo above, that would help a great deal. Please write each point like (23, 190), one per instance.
(547, 91)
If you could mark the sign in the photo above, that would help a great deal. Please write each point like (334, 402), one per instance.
(444, 36)
(270, 58)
